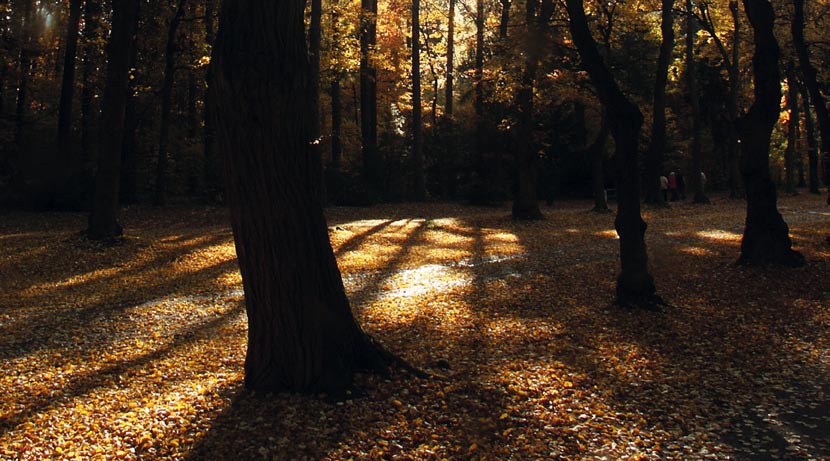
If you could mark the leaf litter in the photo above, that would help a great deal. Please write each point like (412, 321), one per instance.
(135, 351)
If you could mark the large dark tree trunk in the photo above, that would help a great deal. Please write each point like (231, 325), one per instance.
(68, 81)
(526, 201)
(812, 145)
(89, 110)
(368, 95)
(766, 236)
(417, 141)
(635, 286)
(654, 156)
(103, 224)
(792, 130)
(166, 103)
(811, 82)
(694, 97)
(301, 332)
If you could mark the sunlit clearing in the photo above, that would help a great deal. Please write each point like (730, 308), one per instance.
(719, 235)
(611, 234)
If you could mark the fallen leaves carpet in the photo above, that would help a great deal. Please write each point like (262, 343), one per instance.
(135, 351)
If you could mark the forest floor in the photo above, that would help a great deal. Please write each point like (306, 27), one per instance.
(135, 351)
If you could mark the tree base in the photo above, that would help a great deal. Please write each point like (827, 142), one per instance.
(785, 258)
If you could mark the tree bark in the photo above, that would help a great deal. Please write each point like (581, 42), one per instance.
(635, 286)
(89, 110)
(597, 152)
(505, 18)
(103, 223)
(766, 237)
(368, 95)
(448, 88)
(301, 332)
(657, 144)
(697, 128)
(478, 90)
(792, 130)
(68, 81)
(811, 82)
(336, 124)
(24, 66)
(417, 140)
(166, 102)
(812, 145)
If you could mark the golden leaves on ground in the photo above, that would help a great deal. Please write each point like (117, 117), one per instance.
(135, 351)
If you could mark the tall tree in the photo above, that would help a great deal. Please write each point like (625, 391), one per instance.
(792, 130)
(526, 201)
(91, 49)
(68, 81)
(812, 145)
(166, 102)
(301, 332)
(766, 236)
(695, 177)
(657, 144)
(812, 84)
(26, 41)
(212, 166)
(417, 132)
(368, 94)
(478, 90)
(448, 87)
(103, 223)
(635, 286)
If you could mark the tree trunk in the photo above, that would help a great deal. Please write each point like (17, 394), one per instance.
(103, 224)
(478, 90)
(68, 81)
(697, 128)
(24, 66)
(657, 145)
(766, 236)
(417, 141)
(597, 152)
(212, 166)
(89, 111)
(166, 103)
(733, 147)
(368, 95)
(505, 19)
(792, 130)
(811, 82)
(301, 332)
(336, 124)
(812, 145)
(526, 201)
(448, 88)
(129, 189)
(635, 286)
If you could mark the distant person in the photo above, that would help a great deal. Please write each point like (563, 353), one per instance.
(673, 186)
(681, 185)
(664, 187)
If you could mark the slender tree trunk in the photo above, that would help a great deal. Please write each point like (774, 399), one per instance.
(89, 109)
(478, 90)
(68, 81)
(812, 145)
(597, 152)
(166, 103)
(129, 189)
(792, 129)
(505, 18)
(301, 332)
(368, 95)
(635, 286)
(212, 166)
(657, 145)
(811, 82)
(336, 124)
(24, 66)
(733, 147)
(103, 224)
(766, 236)
(697, 128)
(417, 133)
(448, 88)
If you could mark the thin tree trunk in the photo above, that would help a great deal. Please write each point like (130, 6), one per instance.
(505, 18)
(811, 82)
(103, 223)
(212, 165)
(26, 43)
(766, 236)
(417, 133)
(657, 145)
(635, 286)
(812, 145)
(301, 332)
(89, 110)
(478, 90)
(597, 152)
(166, 103)
(129, 173)
(68, 81)
(368, 95)
(448, 88)
(336, 124)
(792, 130)
(691, 82)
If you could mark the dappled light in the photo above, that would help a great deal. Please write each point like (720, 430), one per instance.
(135, 351)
